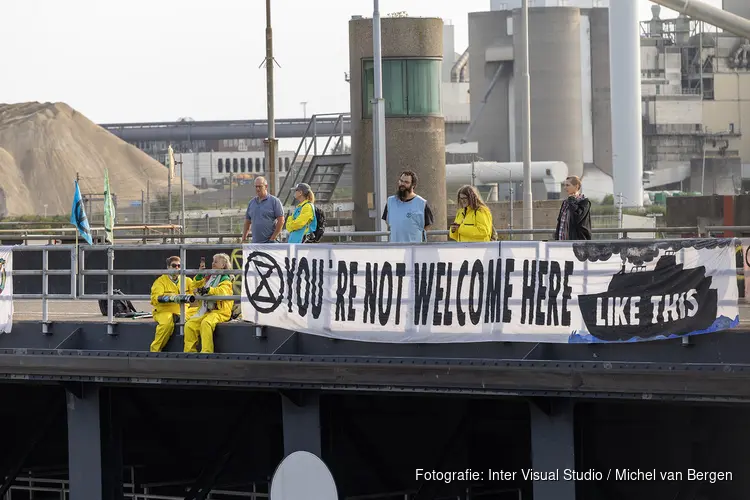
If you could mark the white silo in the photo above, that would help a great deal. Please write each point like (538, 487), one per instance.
(625, 85)
(555, 55)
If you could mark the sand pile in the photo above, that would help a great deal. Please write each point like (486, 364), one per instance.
(42, 146)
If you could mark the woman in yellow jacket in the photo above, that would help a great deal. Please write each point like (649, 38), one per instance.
(167, 286)
(211, 313)
(473, 221)
(302, 221)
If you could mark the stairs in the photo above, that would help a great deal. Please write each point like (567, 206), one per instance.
(324, 173)
(322, 170)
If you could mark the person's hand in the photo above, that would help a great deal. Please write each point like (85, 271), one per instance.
(203, 290)
(202, 265)
(454, 227)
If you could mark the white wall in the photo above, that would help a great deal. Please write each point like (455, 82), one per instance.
(677, 112)
(456, 103)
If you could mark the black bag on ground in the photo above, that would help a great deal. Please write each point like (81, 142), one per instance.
(119, 306)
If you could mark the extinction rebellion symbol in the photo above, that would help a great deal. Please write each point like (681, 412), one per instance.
(3, 275)
(267, 279)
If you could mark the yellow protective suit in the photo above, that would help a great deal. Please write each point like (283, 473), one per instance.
(474, 225)
(203, 326)
(163, 313)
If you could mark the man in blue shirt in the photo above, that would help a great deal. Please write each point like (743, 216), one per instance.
(407, 214)
(265, 213)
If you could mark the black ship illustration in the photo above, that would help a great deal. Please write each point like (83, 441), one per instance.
(667, 279)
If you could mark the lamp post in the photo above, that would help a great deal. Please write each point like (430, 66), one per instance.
(378, 123)
(528, 211)
(271, 141)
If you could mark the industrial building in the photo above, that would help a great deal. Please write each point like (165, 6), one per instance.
(412, 51)
(695, 93)
(207, 168)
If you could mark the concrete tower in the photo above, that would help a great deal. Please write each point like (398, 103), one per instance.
(412, 51)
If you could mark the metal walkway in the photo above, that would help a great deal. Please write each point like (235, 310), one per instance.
(231, 129)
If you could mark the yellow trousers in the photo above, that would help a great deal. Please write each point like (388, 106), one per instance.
(165, 327)
(204, 327)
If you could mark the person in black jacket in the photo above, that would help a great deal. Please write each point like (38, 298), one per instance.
(574, 220)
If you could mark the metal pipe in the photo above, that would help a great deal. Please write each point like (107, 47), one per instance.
(457, 68)
(528, 210)
(158, 272)
(378, 124)
(625, 83)
(714, 16)
(484, 101)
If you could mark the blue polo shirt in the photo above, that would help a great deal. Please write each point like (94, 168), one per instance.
(262, 214)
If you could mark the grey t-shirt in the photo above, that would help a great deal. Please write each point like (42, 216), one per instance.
(262, 214)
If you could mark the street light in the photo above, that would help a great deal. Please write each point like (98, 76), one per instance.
(528, 211)
(378, 123)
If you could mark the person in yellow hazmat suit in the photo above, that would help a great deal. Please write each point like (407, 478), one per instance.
(164, 294)
(473, 222)
(202, 325)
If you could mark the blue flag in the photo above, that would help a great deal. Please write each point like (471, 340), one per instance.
(78, 216)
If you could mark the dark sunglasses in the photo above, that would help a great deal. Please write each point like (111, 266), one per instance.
(175, 266)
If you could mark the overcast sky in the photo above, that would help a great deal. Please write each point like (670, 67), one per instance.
(157, 60)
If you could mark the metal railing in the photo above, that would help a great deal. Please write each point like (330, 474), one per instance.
(78, 272)
(348, 236)
(30, 485)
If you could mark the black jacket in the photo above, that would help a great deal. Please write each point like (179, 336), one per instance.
(579, 219)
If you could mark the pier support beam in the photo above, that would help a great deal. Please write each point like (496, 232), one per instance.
(94, 464)
(301, 416)
(553, 447)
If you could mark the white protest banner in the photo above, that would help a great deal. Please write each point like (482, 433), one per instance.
(6, 289)
(527, 291)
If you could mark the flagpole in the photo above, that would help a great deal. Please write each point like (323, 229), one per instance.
(74, 293)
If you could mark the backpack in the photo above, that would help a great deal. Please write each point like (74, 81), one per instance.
(119, 307)
(316, 235)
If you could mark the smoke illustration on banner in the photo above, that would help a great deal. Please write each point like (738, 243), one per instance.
(667, 300)
(6, 289)
(562, 292)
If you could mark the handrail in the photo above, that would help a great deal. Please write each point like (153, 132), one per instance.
(365, 234)
(70, 229)
(295, 172)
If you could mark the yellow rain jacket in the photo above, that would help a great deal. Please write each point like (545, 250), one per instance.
(163, 313)
(224, 288)
(201, 328)
(474, 225)
(298, 224)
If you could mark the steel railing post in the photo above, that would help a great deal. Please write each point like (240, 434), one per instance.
(110, 289)
(81, 268)
(183, 260)
(45, 291)
(73, 269)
